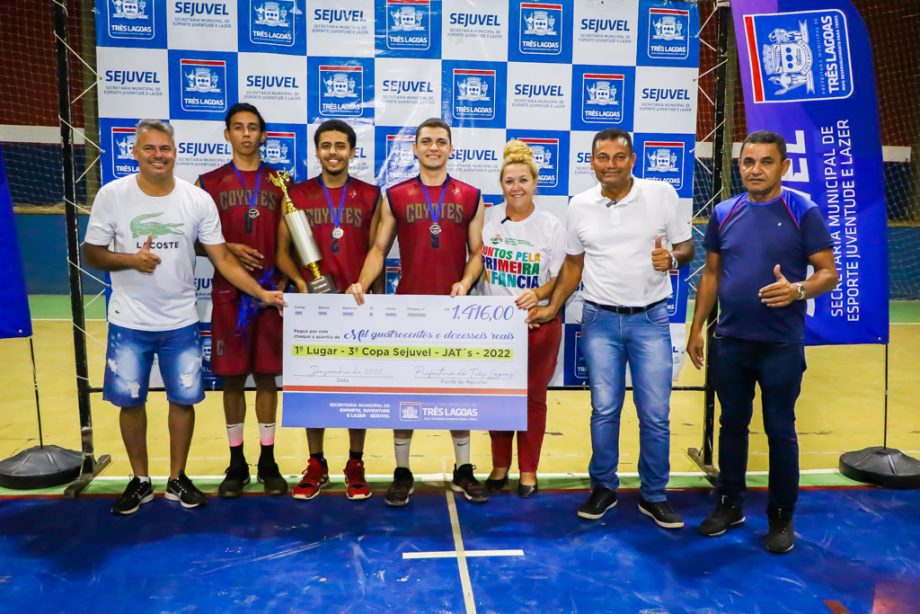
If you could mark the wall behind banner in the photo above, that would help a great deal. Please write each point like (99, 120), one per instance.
(493, 70)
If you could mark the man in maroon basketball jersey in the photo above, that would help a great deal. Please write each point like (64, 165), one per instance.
(249, 206)
(438, 220)
(343, 214)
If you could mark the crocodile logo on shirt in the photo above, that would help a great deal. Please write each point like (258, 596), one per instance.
(144, 226)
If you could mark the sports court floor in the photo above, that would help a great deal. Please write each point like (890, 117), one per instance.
(858, 549)
(857, 552)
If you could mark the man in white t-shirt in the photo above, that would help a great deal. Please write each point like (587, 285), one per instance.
(616, 243)
(143, 230)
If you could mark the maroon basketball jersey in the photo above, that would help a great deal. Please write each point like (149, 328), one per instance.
(232, 201)
(343, 257)
(432, 266)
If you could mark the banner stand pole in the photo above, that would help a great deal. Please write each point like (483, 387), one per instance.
(39, 466)
(90, 466)
(721, 149)
(881, 465)
(44, 466)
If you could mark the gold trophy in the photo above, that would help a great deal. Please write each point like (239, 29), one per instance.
(302, 236)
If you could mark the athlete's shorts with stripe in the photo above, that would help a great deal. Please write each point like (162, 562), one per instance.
(255, 350)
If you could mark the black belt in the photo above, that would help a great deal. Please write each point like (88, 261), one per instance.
(626, 311)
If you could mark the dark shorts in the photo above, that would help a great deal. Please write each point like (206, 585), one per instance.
(257, 350)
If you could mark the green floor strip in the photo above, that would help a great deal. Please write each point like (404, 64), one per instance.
(57, 307)
(209, 484)
(904, 312)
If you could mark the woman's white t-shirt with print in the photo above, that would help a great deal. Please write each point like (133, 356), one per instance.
(522, 255)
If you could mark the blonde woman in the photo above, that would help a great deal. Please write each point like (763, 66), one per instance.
(516, 231)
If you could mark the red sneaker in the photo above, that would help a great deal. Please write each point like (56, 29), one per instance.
(356, 487)
(314, 478)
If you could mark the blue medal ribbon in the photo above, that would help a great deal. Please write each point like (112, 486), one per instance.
(253, 198)
(335, 212)
(435, 212)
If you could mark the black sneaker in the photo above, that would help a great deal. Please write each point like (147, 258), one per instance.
(662, 513)
(136, 494)
(781, 536)
(271, 479)
(465, 482)
(183, 491)
(726, 516)
(601, 500)
(237, 476)
(398, 493)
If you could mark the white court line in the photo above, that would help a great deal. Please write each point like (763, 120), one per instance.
(465, 582)
(470, 554)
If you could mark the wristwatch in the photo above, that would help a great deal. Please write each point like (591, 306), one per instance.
(800, 291)
(674, 263)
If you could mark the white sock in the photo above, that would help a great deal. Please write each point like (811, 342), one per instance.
(462, 450)
(145, 479)
(235, 434)
(267, 433)
(401, 448)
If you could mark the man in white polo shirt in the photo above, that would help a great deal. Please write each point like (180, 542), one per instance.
(617, 239)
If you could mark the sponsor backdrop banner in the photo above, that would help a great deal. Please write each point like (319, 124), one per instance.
(806, 69)
(550, 73)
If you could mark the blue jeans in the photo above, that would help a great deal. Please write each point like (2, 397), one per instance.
(129, 359)
(777, 367)
(610, 341)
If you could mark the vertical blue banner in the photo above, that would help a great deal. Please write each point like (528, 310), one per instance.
(15, 320)
(806, 68)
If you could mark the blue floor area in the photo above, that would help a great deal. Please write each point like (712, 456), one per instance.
(858, 551)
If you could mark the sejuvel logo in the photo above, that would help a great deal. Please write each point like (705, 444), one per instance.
(541, 28)
(474, 93)
(123, 162)
(580, 367)
(132, 76)
(799, 56)
(197, 149)
(338, 15)
(272, 22)
(474, 20)
(669, 33)
(279, 82)
(341, 89)
(131, 19)
(410, 411)
(664, 161)
(400, 162)
(204, 85)
(279, 150)
(406, 86)
(603, 98)
(408, 24)
(545, 153)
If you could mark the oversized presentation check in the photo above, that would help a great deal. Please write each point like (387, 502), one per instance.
(404, 362)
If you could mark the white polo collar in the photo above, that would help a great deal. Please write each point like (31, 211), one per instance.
(630, 197)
